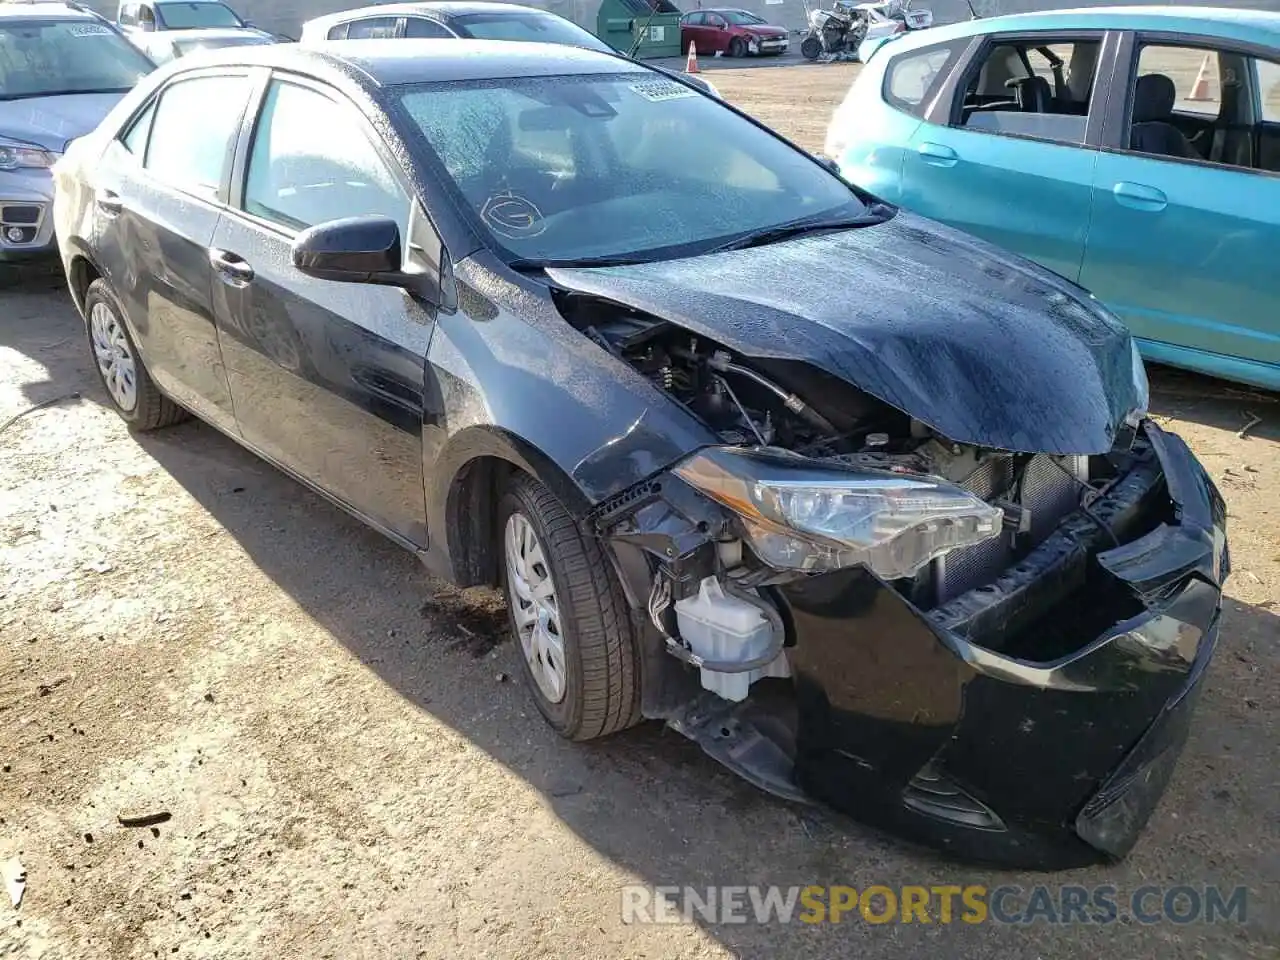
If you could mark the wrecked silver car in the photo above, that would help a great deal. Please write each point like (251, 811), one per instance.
(868, 509)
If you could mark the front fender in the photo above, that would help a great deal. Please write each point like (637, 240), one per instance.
(509, 378)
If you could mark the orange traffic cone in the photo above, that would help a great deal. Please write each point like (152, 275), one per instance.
(1200, 89)
(691, 65)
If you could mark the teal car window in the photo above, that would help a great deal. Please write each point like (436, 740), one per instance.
(911, 79)
(1205, 105)
(1038, 89)
(1194, 72)
(1269, 85)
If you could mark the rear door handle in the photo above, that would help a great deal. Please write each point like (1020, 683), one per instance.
(109, 202)
(938, 154)
(231, 267)
(1139, 196)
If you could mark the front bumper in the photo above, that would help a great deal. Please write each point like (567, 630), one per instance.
(764, 45)
(1033, 722)
(26, 215)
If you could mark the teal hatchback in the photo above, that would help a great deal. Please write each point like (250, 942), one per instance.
(1133, 150)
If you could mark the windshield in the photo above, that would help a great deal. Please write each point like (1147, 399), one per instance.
(55, 57)
(534, 27)
(632, 165)
(190, 16)
(742, 18)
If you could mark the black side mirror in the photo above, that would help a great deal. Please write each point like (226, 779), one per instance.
(354, 250)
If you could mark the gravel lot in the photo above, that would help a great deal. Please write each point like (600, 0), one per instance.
(350, 773)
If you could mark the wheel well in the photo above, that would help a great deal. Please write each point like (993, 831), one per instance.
(472, 508)
(82, 274)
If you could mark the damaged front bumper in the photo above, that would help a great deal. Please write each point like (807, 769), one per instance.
(1033, 721)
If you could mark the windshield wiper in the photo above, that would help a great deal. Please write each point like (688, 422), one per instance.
(784, 231)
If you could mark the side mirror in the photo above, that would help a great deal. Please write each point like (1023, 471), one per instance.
(354, 250)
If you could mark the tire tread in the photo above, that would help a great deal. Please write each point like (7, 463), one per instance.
(598, 613)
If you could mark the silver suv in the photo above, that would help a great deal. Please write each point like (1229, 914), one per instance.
(62, 68)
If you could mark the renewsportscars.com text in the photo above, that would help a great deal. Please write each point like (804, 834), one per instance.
(940, 904)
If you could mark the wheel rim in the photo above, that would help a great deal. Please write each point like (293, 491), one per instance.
(532, 593)
(115, 359)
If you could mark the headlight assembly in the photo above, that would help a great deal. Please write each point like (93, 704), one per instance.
(799, 514)
(15, 155)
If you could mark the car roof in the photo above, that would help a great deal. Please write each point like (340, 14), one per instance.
(44, 11)
(1223, 22)
(392, 62)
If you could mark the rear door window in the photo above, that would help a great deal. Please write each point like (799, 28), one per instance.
(1039, 88)
(193, 132)
(1269, 89)
(373, 28)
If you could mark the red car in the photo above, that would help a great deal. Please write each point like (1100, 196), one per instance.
(733, 32)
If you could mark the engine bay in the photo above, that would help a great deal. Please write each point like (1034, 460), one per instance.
(763, 402)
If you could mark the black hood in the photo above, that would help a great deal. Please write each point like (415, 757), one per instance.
(984, 347)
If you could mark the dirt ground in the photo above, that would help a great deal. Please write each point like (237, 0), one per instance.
(350, 773)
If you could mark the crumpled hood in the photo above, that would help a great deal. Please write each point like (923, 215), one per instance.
(986, 348)
(763, 31)
(53, 122)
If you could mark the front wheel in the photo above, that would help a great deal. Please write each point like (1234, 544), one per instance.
(578, 654)
(737, 47)
(811, 48)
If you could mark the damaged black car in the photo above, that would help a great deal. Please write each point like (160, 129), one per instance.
(867, 508)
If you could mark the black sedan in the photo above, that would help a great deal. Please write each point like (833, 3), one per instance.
(865, 507)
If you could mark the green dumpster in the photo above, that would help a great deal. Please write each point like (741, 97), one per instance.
(644, 28)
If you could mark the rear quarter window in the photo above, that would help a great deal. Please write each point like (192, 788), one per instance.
(911, 79)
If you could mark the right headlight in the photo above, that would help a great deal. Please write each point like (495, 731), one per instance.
(800, 514)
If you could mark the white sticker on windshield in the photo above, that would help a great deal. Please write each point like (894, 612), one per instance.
(88, 30)
(658, 90)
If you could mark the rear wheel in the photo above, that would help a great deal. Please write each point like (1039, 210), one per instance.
(133, 393)
(737, 47)
(578, 655)
(811, 48)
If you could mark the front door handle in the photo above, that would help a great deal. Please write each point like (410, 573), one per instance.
(109, 202)
(1139, 196)
(231, 267)
(938, 154)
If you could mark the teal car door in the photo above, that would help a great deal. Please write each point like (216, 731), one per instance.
(1010, 156)
(1186, 217)
(871, 128)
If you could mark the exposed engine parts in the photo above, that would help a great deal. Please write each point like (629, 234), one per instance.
(705, 594)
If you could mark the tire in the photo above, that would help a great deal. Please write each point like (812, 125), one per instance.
(599, 667)
(737, 47)
(811, 48)
(120, 368)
